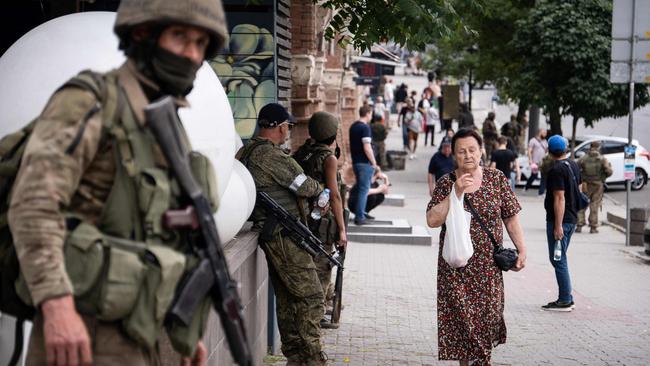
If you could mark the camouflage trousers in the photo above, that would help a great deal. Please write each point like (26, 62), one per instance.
(324, 269)
(109, 345)
(594, 190)
(299, 297)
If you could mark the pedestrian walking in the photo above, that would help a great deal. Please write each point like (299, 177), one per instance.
(505, 160)
(537, 149)
(389, 99)
(318, 159)
(595, 169)
(465, 119)
(471, 298)
(379, 110)
(413, 122)
(561, 218)
(66, 220)
(364, 164)
(441, 163)
(432, 118)
(400, 97)
(298, 292)
(511, 131)
(401, 124)
(490, 135)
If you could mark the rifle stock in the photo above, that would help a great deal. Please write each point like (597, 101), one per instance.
(212, 274)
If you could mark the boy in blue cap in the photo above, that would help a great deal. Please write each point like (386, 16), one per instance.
(561, 217)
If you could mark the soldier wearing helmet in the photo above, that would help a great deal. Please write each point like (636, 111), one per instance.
(91, 173)
(317, 157)
(594, 169)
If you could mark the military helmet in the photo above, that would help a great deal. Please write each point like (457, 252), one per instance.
(207, 14)
(595, 144)
(323, 126)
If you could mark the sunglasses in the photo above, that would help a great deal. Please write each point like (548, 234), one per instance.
(289, 124)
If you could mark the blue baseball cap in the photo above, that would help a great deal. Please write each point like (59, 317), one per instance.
(557, 144)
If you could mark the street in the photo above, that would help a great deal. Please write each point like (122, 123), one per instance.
(390, 294)
(482, 104)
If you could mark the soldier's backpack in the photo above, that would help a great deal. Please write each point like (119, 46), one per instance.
(12, 147)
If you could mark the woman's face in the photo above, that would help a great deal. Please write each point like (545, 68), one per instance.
(467, 153)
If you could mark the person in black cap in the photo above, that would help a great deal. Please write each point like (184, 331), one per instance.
(298, 291)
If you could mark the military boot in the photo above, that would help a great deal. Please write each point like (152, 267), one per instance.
(318, 360)
(578, 229)
(326, 324)
(593, 230)
(294, 360)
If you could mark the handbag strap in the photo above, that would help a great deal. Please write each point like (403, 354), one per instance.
(481, 223)
(452, 176)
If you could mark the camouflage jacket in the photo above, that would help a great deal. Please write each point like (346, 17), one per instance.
(52, 179)
(279, 175)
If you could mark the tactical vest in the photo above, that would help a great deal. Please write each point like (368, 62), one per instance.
(311, 156)
(593, 167)
(283, 196)
(127, 267)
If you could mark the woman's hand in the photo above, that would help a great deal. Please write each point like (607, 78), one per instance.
(464, 182)
(521, 262)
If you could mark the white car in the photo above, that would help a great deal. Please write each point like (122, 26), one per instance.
(612, 148)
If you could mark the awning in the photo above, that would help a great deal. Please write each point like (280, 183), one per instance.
(377, 61)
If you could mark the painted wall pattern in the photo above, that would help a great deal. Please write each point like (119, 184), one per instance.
(247, 66)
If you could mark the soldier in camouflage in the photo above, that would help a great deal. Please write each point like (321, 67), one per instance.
(298, 292)
(594, 169)
(318, 160)
(70, 167)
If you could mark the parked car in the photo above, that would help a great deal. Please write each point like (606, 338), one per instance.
(612, 148)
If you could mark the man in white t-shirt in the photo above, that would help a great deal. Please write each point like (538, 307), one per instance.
(389, 95)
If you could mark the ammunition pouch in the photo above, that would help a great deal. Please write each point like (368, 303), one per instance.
(117, 279)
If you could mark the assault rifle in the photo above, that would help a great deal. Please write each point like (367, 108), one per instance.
(301, 233)
(211, 276)
(338, 284)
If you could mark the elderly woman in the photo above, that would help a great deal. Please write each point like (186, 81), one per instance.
(470, 299)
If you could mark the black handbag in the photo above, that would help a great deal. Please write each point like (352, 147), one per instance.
(505, 258)
(582, 200)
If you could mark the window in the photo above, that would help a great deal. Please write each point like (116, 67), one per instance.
(612, 147)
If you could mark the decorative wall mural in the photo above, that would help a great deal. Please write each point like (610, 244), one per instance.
(246, 69)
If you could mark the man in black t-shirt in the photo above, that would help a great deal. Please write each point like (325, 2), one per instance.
(506, 161)
(441, 163)
(363, 162)
(562, 182)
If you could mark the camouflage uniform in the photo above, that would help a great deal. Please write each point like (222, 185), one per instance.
(311, 157)
(70, 167)
(594, 169)
(299, 296)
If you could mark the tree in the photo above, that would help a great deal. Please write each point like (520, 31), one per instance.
(410, 23)
(565, 48)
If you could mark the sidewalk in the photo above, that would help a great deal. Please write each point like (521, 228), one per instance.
(390, 295)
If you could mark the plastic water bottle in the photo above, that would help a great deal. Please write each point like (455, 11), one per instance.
(323, 200)
(557, 252)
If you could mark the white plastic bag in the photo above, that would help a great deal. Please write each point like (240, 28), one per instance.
(458, 248)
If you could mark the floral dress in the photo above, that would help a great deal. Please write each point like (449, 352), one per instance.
(470, 299)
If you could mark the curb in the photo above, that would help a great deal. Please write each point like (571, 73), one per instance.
(638, 254)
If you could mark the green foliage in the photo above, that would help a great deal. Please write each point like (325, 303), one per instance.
(410, 23)
(565, 50)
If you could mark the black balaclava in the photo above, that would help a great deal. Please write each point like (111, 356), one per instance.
(172, 73)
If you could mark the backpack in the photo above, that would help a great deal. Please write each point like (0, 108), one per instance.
(12, 148)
